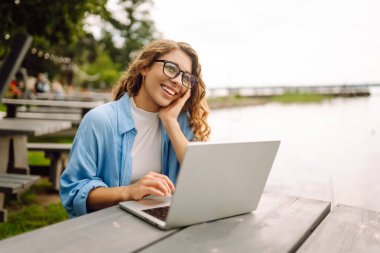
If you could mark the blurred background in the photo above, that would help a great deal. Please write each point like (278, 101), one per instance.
(303, 72)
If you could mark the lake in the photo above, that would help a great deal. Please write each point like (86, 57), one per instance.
(329, 150)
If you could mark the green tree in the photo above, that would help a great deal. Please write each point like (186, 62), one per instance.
(136, 30)
(58, 27)
(104, 68)
(52, 24)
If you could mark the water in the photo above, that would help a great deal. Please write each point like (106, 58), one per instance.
(328, 151)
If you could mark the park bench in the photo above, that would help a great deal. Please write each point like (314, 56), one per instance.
(58, 153)
(10, 185)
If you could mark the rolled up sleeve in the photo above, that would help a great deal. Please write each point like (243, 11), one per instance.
(80, 176)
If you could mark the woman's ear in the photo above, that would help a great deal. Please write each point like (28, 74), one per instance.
(144, 71)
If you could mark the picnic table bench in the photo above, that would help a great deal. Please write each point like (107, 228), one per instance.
(13, 184)
(58, 153)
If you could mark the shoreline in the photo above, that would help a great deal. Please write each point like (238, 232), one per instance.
(232, 101)
(228, 102)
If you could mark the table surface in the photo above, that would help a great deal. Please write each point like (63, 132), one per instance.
(280, 224)
(346, 229)
(77, 96)
(32, 127)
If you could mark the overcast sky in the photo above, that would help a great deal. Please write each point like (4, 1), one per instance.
(277, 42)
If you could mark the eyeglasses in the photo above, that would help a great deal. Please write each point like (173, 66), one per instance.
(172, 70)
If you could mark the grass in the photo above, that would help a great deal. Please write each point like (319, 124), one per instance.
(3, 108)
(296, 97)
(27, 214)
(286, 98)
(51, 138)
(234, 100)
(37, 158)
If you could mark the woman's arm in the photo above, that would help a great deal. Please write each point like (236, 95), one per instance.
(168, 116)
(177, 139)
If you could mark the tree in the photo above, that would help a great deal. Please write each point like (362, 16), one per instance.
(57, 28)
(136, 30)
(58, 23)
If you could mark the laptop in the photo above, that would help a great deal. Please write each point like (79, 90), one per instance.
(216, 180)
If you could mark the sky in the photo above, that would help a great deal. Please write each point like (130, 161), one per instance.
(277, 42)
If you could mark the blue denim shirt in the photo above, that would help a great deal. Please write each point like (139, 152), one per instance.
(101, 153)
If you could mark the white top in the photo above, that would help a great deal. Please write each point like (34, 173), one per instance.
(146, 150)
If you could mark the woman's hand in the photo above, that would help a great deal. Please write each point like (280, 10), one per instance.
(151, 184)
(170, 113)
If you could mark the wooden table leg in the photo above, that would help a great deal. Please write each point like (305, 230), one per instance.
(3, 212)
(4, 153)
(11, 111)
(58, 162)
(19, 155)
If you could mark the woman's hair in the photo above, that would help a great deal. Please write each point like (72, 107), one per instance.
(131, 81)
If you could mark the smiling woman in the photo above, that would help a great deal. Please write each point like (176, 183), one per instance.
(133, 146)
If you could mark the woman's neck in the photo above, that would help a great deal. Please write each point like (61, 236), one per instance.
(145, 103)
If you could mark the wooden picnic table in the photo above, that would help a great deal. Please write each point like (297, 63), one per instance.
(280, 224)
(14, 136)
(14, 153)
(12, 104)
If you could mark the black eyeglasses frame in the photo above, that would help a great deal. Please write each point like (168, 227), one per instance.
(179, 72)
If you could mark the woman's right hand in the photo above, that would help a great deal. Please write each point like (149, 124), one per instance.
(151, 184)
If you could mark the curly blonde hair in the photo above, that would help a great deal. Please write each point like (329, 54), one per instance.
(131, 81)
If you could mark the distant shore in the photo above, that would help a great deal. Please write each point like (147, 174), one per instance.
(233, 101)
(237, 100)
(286, 98)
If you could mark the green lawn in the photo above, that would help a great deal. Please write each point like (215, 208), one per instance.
(27, 213)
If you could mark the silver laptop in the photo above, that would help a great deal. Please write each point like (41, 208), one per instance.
(216, 180)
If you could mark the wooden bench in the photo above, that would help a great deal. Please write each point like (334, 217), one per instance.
(13, 184)
(346, 229)
(58, 153)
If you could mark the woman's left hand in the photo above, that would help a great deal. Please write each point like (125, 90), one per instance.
(170, 113)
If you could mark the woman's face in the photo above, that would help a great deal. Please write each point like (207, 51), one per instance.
(158, 90)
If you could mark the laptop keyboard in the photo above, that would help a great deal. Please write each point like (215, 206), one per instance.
(159, 212)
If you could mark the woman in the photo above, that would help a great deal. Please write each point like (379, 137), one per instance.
(133, 147)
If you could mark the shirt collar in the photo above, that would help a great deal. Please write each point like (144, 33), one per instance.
(124, 115)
